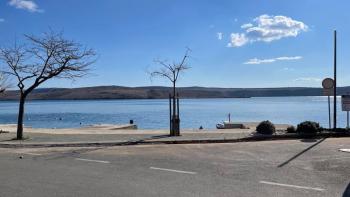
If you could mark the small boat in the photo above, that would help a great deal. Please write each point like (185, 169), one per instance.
(224, 124)
(220, 126)
(230, 125)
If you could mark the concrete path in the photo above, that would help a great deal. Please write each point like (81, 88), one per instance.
(100, 139)
(106, 134)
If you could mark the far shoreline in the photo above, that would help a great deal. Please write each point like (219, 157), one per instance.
(122, 99)
(159, 92)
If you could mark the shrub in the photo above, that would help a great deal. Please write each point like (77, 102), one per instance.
(266, 127)
(308, 127)
(291, 129)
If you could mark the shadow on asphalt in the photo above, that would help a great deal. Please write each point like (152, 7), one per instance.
(302, 152)
(347, 191)
(309, 140)
(159, 136)
(134, 142)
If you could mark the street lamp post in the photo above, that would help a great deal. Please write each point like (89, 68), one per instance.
(335, 82)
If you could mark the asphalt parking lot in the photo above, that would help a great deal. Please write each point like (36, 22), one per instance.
(270, 168)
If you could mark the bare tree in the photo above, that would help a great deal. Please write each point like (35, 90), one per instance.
(172, 71)
(40, 59)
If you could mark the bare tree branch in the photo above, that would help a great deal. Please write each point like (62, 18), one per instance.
(171, 71)
(4, 83)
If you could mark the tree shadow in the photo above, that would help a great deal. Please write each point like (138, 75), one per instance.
(302, 152)
(134, 142)
(308, 140)
(347, 191)
(159, 136)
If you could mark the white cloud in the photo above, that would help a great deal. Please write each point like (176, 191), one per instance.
(237, 40)
(219, 35)
(308, 79)
(30, 6)
(247, 25)
(259, 61)
(289, 58)
(266, 28)
(262, 61)
(2, 20)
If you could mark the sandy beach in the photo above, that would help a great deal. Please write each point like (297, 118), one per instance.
(128, 129)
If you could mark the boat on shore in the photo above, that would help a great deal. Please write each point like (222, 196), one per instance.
(230, 125)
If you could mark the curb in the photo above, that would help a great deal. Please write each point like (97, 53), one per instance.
(200, 141)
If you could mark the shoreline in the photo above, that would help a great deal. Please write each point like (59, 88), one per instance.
(100, 129)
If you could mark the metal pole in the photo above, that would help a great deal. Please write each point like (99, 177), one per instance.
(178, 106)
(178, 115)
(347, 119)
(335, 82)
(329, 112)
(174, 107)
(171, 125)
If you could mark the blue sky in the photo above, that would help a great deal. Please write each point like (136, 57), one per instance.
(251, 43)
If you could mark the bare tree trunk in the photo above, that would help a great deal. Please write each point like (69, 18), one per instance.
(174, 103)
(175, 124)
(20, 117)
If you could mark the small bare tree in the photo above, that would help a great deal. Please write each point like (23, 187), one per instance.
(172, 71)
(40, 59)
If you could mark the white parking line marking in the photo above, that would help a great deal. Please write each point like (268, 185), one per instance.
(344, 150)
(171, 170)
(293, 186)
(91, 160)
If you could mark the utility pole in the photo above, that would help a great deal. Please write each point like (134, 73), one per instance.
(329, 113)
(335, 82)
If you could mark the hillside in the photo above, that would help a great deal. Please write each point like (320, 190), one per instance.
(155, 92)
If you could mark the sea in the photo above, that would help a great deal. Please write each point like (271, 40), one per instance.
(154, 113)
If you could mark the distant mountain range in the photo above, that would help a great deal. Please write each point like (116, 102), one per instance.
(157, 92)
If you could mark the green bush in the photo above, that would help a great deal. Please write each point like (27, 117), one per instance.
(308, 127)
(291, 129)
(266, 127)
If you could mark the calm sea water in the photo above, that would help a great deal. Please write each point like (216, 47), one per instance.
(152, 114)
